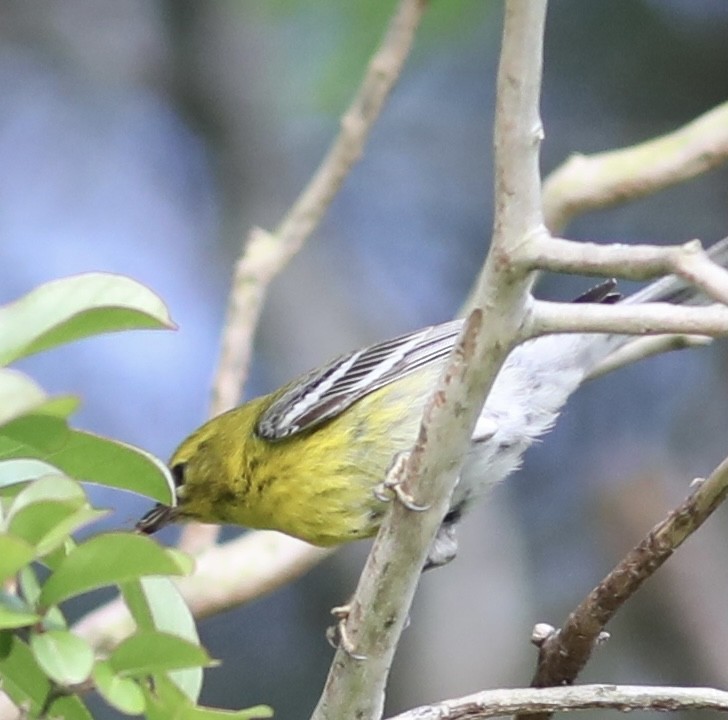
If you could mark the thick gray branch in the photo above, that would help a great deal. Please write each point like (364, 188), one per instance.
(355, 685)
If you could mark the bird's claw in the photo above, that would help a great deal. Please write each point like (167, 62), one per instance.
(338, 637)
(392, 486)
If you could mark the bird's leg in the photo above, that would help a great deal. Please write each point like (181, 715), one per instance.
(392, 487)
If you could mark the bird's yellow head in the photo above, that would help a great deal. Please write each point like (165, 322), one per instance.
(206, 468)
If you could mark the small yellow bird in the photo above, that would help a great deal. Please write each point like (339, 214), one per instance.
(306, 459)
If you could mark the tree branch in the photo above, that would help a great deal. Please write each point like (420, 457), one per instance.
(634, 262)
(624, 319)
(585, 183)
(494, 703)
(266, 254)
(564, 653)
(356, 683)
(644, 347)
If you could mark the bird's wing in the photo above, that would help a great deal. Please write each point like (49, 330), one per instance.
(328, 391)
(324, 393)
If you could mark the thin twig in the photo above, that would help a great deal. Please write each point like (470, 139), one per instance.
(645, 347)
(634, 262)
(625, 319)
(585, 183)
(623, 698)
(564, 653)
(266, 254)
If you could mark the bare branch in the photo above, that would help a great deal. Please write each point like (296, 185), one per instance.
(635, 262)
(563, 655)
(645, 347)
(355, 685)
(246, 568)
(379, 608)
(625, 319)
(266, 254)
(585, 183)
(494, 703)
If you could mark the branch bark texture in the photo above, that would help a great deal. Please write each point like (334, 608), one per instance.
(356, 683)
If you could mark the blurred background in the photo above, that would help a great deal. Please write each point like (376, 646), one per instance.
(146, 137)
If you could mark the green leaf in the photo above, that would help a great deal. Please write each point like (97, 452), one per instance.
(85, 456)
(150, 652)
(76, 307)
(46, 511)
(109, 559)
(22, 679)
(48, 524)
(156, 603)
(14, 554)
(58, 536)
(30, 587)
(55, 557)
(96, 459)
(34, 521)
(120, 692)
(63, 656)
(32, 436)
(167, 702)
(52, 487)
(138, 604)
(15, 612)
(19, 395)
(11, 620)
(60, 406)
(69, 707)
(13, 472)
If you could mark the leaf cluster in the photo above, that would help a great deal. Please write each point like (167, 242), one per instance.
(45, 668)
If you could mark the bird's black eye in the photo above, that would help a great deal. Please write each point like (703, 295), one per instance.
(178, 474)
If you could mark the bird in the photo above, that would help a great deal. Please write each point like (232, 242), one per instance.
(308, 459)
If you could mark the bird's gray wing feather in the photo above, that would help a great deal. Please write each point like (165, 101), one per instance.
(324, 393)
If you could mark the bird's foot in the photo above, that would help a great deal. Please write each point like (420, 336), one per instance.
(338, 637)
(392, 487)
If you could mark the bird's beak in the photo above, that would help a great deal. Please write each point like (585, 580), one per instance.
(159, 516)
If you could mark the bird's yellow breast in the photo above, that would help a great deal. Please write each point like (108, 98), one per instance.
(316, 485)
